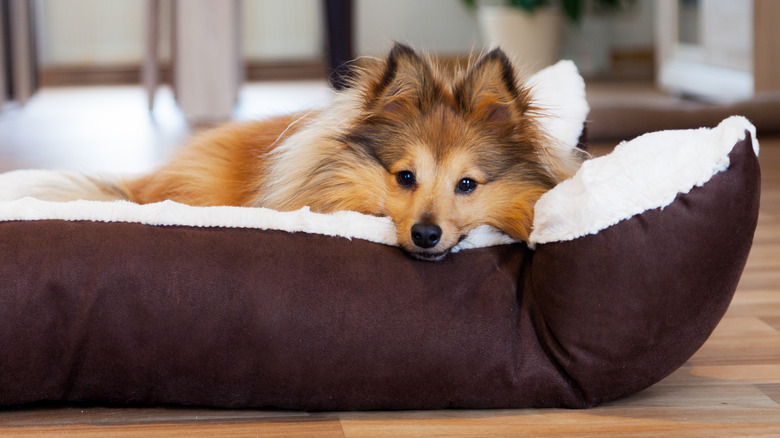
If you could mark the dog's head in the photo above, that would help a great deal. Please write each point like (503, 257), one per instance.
(459, 149)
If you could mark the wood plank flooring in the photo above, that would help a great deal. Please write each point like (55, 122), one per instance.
(731, 387)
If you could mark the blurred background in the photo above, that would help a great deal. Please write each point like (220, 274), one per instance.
(118, 85)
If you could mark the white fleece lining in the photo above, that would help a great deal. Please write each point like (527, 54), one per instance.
(642, 174)
(559, 89)
(344, 223)
(347, 224)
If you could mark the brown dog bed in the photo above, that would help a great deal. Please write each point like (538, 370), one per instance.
(629, 276)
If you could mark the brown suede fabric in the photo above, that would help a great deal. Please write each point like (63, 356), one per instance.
(622, 309)
(137, 314)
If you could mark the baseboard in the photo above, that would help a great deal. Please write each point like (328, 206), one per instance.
(281, 70)
(57, 76)
(89, 75)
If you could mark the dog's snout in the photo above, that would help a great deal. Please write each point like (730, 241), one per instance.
(426, 235)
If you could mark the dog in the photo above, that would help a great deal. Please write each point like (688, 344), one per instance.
(440, 150)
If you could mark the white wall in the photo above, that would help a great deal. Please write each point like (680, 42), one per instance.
(282, 29)
(442, 26)
(86, 32)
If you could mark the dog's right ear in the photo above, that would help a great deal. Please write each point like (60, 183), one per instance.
(406, 82)
(490, 92)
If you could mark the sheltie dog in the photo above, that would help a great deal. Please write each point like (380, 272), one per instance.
(439, 150)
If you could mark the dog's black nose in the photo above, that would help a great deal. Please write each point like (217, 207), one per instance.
(426, 235)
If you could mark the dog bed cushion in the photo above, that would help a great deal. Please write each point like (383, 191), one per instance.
(635, 261)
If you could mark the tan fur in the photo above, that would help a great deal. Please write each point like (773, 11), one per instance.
(223, 166)
(403, 115)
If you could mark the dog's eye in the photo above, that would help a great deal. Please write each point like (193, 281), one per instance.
(466, 185)
(405, 178)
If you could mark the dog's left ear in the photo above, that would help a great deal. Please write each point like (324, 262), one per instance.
(490, 92)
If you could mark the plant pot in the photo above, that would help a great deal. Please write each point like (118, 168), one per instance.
(531, 39)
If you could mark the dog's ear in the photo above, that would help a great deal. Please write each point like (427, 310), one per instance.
(407, 80)
(490, 92)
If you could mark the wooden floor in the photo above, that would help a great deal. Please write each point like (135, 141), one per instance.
(731, 387)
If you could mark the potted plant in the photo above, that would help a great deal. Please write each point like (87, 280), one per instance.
(531, 30)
